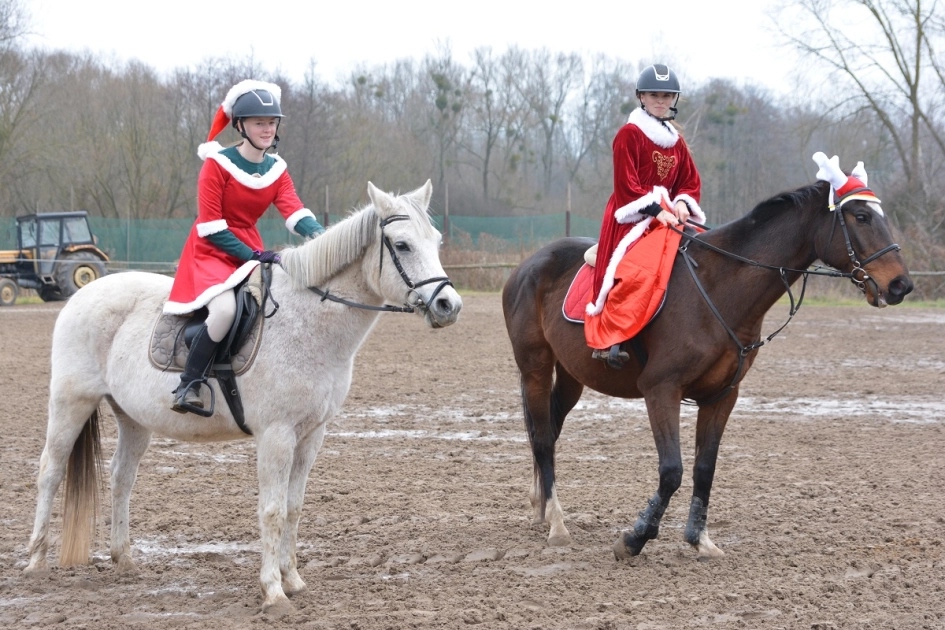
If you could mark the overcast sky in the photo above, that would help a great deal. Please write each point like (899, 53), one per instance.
(698, 38)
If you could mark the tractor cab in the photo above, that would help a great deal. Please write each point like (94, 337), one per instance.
(56, 255)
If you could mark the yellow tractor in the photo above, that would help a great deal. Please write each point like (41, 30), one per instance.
(56, 256)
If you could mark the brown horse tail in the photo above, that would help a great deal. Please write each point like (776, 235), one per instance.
(81, 498)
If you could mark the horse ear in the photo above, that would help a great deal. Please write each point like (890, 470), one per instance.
(421, 196)
(381, 200)
(860, 173)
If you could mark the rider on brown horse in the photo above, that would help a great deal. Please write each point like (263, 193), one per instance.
(654, 177)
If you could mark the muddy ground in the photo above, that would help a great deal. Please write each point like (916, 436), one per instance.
(829, 498)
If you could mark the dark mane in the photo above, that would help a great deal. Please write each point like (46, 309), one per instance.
(768, 209)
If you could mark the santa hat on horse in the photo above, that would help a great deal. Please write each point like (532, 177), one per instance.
(842, 187)
(265, 101)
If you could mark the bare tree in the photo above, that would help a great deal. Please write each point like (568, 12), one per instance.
(14, 22)
(22, 111)
(448, 87)
(592, 120)
(885, 73)
(546, 82)
(494, 110)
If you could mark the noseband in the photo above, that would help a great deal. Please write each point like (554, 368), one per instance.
(413, 300)
(858, 275)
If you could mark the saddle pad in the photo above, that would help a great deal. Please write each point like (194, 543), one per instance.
(168, 352)
(579, 294)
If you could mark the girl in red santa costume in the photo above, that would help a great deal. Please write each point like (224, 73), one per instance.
(236, 186)
(654, 178)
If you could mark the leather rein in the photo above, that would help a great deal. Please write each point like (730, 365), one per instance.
(858, 276)
(413, 301)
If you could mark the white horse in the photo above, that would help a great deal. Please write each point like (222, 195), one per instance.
(298, 382)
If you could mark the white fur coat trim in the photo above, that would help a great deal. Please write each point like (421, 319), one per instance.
(594, 308)
(662, 134)
(297, 216)
(630, 213)
(211, 227)
(177, 308)
(211, 150)
(694, 208)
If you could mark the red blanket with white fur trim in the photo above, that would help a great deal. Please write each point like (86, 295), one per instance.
(640, 284)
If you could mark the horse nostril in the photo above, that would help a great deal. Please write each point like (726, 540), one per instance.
(898, 289)
(444, 306)
(901, 286)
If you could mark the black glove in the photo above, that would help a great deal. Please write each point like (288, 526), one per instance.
(266, 256)
(652, 210)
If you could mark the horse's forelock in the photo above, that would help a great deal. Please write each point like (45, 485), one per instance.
(420, 216)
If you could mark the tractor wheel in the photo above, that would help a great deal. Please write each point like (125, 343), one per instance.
(8, 292)
(49, 293)
(77, 270)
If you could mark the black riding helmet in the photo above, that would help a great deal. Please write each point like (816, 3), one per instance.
(256, 103)
(659, 78)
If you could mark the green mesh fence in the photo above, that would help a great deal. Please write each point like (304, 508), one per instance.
(523, 229)
(156, 243)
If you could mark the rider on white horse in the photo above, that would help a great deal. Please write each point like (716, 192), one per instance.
(236, 186)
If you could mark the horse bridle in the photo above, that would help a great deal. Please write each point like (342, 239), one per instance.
(858, 267)
(744, 350)
(413, 300)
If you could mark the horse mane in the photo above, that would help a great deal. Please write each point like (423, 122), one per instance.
(789, 200)
(770, 209)
(318, 260)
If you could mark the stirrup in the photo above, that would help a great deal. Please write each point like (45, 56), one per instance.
(615, 357)
(181, 403)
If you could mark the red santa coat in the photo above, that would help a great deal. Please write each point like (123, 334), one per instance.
(228, 198)
(651, 164)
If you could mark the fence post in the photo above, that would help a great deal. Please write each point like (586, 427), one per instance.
(325, 222)
(446, 213)
(567, 214)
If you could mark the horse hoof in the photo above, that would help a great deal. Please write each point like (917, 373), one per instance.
(706, 548)
(38, 570)
(126, 566)
(294, 586)
(710, 554)
(623, 550)
(559, 541)
(278, 608)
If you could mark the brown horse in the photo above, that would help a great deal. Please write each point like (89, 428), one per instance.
(723, 282)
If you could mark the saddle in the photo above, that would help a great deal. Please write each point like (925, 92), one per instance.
(172, 335)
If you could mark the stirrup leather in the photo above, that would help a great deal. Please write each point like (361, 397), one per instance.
(615, 357)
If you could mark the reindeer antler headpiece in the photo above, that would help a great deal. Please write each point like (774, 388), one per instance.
(844, 188)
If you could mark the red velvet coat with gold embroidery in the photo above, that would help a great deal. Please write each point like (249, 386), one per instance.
(651, 160)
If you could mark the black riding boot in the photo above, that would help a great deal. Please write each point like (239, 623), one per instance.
(202, 351)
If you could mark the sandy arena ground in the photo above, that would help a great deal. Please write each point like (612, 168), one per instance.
(828, 499)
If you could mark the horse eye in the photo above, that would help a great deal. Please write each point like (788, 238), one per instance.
(862, 217)
(401, 246)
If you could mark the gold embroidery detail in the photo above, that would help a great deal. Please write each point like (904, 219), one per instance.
(664, 164)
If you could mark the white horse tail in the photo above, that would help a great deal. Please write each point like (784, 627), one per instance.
(81, 495)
